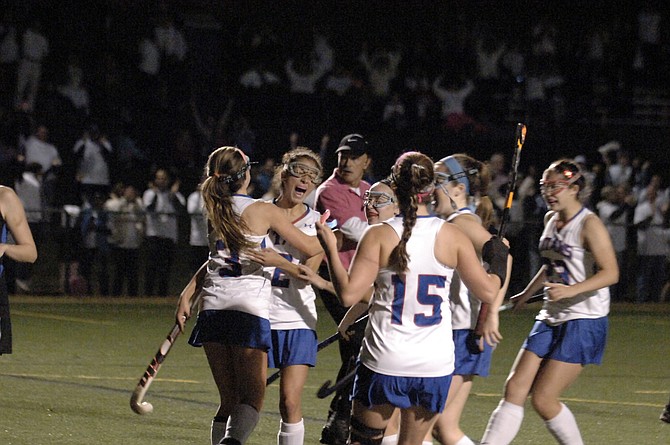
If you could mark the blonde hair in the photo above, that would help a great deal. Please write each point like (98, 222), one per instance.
(225, 173)
(293, 156)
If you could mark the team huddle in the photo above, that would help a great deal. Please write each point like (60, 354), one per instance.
(419, 254)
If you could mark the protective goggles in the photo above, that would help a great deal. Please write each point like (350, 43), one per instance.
(299, 170)
(553, 188)
(377, 200)
(229, 179)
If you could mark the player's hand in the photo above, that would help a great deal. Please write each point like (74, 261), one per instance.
(183, 313)
(490, 331)
(325, 234)
(267, 257)
(558, 291)
(519, 301)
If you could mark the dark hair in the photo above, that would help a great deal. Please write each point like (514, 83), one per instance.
(413, 177)
(225, 174)
(570, 171)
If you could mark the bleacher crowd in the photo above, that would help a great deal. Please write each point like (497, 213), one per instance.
(107, 114)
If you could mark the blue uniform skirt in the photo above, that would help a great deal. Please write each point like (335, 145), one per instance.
(231, 328)
(469, 359)
(292, 347)
(371, 388)
(579, 341)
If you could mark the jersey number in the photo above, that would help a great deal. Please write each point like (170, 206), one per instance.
(423, 296)
(233, 268)
(279, 278)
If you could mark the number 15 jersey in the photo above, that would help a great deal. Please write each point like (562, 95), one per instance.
(409, 330)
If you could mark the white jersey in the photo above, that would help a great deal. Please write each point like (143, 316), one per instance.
(464, 305)
(409, 329)
(568, 262)
(234, 282)
(293, 301)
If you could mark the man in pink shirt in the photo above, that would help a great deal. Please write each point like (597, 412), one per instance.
(342, 193)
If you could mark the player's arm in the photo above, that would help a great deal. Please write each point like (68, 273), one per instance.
(187, 294)
(597, 240)
(23, 250)
(352, 286)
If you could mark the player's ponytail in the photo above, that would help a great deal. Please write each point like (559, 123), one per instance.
(225, 173)
(413, 177)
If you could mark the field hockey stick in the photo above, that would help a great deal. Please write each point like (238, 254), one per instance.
(137, 403)
(533, 299)
(328, 341)
(519, 139)
(327, 390)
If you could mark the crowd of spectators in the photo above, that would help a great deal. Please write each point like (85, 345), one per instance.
(96, 95)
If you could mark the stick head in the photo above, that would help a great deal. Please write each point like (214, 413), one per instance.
(325, 390)
(138, 407)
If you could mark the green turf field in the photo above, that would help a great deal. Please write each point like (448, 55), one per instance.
(77, 361)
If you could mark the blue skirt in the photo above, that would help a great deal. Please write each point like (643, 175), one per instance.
(231, 328)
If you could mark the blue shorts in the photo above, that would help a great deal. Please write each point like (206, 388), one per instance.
(469, 359)
(575, 341)
(231, 328)
(371, 388)
(292, 347)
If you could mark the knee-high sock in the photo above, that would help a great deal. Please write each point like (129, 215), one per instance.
(291, 433)
(503, 425)
(564, 427)
(241, 422)
(465, 440)
(218, 429)
(390, 440)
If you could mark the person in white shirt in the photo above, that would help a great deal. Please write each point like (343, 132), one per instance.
(197, 240)
(163, 202)
(652, 242)
(92, 154)
(39, 150)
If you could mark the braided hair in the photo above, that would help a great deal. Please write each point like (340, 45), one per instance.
(225, 174)
(413, 176)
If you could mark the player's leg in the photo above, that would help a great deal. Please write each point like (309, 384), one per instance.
(554, 378)
(250, 369)
(447, 426)
(392, 429)
(368, 424)
(505, 421)
(223, 376)
(292, 427)
(415, 425)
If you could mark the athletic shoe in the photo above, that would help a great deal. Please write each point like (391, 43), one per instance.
(665, 416)
(335, 431)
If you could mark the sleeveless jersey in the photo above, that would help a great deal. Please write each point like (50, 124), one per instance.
(233, 281)
(3, 240)
(409, 329)
(293, 301)
(464, 306)
(568, 262)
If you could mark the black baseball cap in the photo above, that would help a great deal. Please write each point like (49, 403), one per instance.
(354, 144)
